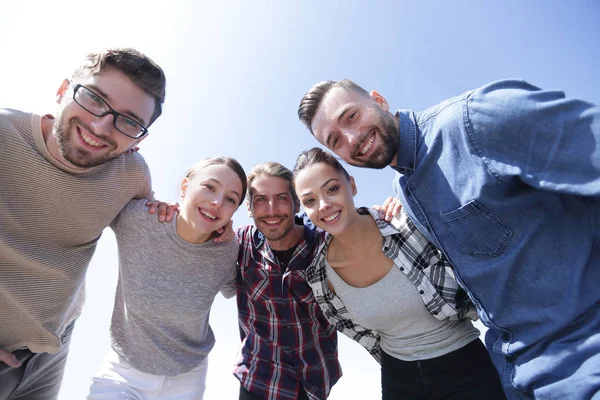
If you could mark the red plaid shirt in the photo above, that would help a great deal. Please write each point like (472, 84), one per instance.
(287, 343)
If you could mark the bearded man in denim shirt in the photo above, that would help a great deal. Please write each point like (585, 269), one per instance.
(505, 180)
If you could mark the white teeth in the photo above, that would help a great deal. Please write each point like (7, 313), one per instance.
(208, 214)
(272, 221)
(368, 145)
(89, 140)
(331, 217)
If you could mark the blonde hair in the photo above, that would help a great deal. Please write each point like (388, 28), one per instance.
(275, 170)
(228, 161)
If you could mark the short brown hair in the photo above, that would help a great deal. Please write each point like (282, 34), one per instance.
(144, 72)
(313, 98)
(273, 169)
(317, 155)
(228, 161)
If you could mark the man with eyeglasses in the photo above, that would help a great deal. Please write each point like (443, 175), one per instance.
(63, 181)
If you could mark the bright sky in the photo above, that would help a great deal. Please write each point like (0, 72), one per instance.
(236, 72)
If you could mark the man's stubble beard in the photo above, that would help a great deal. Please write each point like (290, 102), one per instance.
(384, 155)
(78, 157)
(272, 237)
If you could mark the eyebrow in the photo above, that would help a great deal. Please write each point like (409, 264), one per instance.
(344, 111)
(218, 182)
(275, 195)
(339, 119)
(322, 186)
(107, 97)
(327, 182)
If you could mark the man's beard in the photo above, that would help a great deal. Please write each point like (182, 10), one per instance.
(385, 153)
(78, 157)
(277, 235)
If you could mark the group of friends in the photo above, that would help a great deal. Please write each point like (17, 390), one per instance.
(499, 220)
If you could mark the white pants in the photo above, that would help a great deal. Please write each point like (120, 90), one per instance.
(118, 380)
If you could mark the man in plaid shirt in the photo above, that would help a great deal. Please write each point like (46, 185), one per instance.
(289, 350)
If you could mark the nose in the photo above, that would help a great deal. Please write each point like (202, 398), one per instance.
(103, 126)
(271, 207)
(351, 136)
(217, 202)
(323, 204)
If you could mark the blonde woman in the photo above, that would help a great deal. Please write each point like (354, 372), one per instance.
(169, 275)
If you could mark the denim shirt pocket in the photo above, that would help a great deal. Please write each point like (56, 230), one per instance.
(478, 231)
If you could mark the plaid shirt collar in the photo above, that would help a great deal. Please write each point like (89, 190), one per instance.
(260, 243)
(423, 264)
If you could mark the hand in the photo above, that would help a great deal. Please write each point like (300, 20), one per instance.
(165, 210)
(225, 233)
(390, 208)
(132, 150)
(9, 359)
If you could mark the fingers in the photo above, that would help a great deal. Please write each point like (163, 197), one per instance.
(394, 209)
(397, 208)
(387, 203)
(162, 212)
(384, 208)
(225, 234)
(166, 211)
(171, 209)
(9, 359)
(132, 150)
(152, 206)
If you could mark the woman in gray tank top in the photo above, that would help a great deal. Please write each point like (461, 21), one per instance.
(169, 275)
(386, 287)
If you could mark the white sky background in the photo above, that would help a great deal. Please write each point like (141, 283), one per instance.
(236, 73)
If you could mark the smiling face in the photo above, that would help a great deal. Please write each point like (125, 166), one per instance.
(356, 127)
(272, 206)
(327, 197)
(85, 140)
(210, 199)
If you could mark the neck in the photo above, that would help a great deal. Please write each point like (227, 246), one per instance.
(291, 239)
(189, 234)
(351, 240)
(397, 124)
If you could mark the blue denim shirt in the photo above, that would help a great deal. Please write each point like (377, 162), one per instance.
(505, 179)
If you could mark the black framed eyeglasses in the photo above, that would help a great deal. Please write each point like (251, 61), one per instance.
(95, 105)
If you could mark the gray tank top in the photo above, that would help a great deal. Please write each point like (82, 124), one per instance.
(393, 307)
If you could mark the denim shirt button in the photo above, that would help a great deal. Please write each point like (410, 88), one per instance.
(420, 291)
(401, 268)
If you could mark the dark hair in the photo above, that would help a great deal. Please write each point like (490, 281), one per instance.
(317, 155)
(313, 98)
(273, 169)
(144, 72)
(228, 161)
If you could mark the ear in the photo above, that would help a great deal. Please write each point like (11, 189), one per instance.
(248, 208)
(296, 207)
(60, 93)
(353, 186)
(184, 185)
(379, 99)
